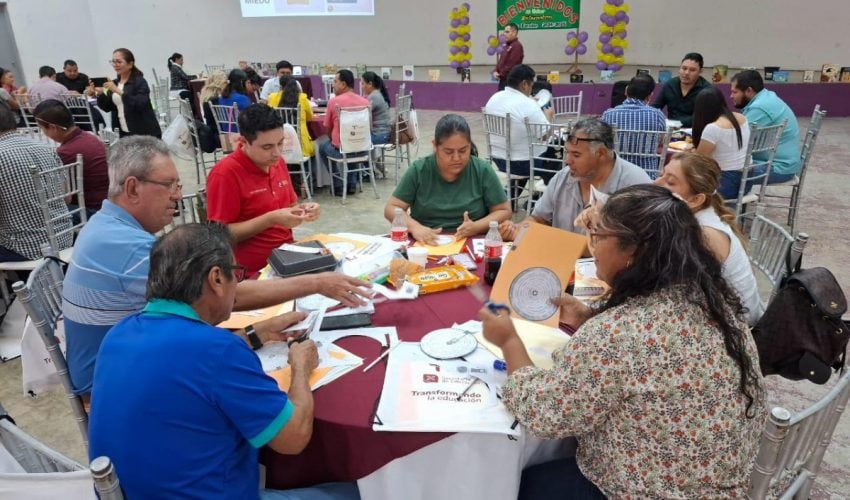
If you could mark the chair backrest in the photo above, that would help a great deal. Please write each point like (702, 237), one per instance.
(773, 250)
(105, 479)
(567, 106)
(190, 208)
(54, 186)
(226, 118)
(80, 110)
(792, 447)
(212, 68)
(546, 136)
(762, 140)
(497, 130)
(26, 104)
(401, 89)
(160, 92)
(646, 149)
(290, 116)
(809, 143)
(328, 84)
(355, 129)
(41, 297)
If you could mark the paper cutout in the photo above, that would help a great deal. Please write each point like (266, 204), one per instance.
(241, 319)
(314, 302)
(334, 362)
(406, 292)
(541, 247)
(339, 245)
(453, 247)
(387, 336)
(540, 340)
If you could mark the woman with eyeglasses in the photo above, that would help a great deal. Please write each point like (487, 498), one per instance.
(660, 384)
(696, 178)
(450, 190)
(128, 98)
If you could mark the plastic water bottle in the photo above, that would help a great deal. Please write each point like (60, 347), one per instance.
(492, 253)
(398, 231)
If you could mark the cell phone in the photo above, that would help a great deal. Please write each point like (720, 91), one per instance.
(99, 81)
(347, 321)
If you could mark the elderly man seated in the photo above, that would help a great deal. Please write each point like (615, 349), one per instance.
(593, 163)
(181, 406)
(107, 276)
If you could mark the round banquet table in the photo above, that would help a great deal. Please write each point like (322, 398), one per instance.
(344, 447)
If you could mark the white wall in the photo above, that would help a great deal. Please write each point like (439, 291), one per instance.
(788, 33)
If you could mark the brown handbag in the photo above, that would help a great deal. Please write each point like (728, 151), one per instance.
(802, 334)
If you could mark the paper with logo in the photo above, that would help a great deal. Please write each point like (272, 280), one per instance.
(422, 394)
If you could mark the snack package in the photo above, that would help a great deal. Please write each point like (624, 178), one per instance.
(440, 278)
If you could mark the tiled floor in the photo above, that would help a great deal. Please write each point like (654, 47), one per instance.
(824, 214)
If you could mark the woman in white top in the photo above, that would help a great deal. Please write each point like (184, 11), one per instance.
(723, 135)
(695, 178)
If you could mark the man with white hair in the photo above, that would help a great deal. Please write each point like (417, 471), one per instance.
(107, 276)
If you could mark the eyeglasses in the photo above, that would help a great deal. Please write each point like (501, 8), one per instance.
(173, 186)
(595, 235)
(115, 61)
(239, 272)
(46, 123)
(574, 140)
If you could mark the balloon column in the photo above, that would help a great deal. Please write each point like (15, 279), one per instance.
(496, 44)
(459, 37)
(612, 42)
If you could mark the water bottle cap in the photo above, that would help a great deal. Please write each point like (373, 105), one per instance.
(494, 224)
(397, 210)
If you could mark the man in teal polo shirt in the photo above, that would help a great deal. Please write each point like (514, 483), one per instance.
(181, 406)
(763, 108)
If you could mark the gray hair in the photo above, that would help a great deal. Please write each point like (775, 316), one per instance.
(601, 133)
(182, 258)
(131, 157)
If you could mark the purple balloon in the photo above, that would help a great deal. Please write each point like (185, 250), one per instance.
(465, 64)
(500, 49)
(452, 35)
(571, 35)
(612, 2)
(502, 39)
(581, 49)
(455, 23)
(620, 15)
(603, 17)
(453, 49)
(606, 49)
(454, 64)
(622, 34)
(464, 20)
(569, 50)
(605, 37)
(610, 22)
(465, 49)
(625, 18)
(582, 37)
(466, 6)
(601, 65)
(614, 67)
(491, 51)
(466, 37)
(618, 51)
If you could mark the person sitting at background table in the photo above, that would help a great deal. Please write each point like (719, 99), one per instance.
(722, 135)
(206, 405)
(696, 178)
(253, 85)
(46, 87)
(290, 96)
(272, 85)
(679, 93)
(660, 383)
(234, 91)
(344, 97)
(449, 190)
(379, 101)
(179, 78)
(73, 80)
(210, 94)
(593, 163)
(128, 97)
(8, 89)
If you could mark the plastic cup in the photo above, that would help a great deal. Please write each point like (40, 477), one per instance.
(418, 255)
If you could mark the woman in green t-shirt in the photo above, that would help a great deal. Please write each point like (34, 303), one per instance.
(449, 190)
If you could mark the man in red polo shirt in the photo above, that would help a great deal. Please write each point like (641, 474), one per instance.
(250, 190)
(344, 97)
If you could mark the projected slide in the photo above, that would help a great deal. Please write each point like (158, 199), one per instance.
(267, 8)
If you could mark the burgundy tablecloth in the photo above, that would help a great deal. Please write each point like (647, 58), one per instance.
(316, 126)
(344, 447)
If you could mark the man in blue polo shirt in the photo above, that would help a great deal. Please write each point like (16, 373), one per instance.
(108, 273)
(763, 108)
(181, 406)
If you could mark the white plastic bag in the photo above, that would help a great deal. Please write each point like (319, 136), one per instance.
(413, 126)
(179, 139)
(292, 153)
(38, 372)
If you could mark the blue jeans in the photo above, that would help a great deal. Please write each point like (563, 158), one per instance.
(326, 491)
(558, 479)
(380, 138)
(730, 181)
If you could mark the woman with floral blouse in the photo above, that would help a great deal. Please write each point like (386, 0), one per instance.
(660, 383)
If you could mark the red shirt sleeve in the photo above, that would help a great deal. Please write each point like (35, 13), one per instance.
(223, 200)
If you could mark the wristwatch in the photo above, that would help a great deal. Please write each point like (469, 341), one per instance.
(253, 338)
